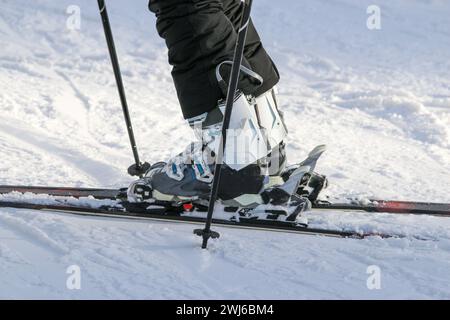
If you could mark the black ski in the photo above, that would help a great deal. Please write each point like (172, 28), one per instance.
(176, 214)
(388, 206)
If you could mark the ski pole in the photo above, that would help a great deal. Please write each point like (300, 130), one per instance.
(138, 169)
(207, 233)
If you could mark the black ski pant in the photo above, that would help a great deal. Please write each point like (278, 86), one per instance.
(200, 34)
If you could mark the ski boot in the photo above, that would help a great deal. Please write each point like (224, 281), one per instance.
(254, 160)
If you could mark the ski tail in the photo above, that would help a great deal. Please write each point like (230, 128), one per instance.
(98, 193)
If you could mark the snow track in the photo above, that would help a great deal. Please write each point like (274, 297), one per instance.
(163, 260)
(379, 99)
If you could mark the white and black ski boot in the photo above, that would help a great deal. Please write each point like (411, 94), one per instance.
(253, 161)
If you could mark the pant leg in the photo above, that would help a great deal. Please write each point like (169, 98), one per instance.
(254, 52)
(199, 35)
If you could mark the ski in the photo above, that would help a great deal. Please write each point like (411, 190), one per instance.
(177, 214)
(387, 206)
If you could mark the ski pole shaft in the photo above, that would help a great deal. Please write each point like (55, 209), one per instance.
(232, 88)
(118, 75)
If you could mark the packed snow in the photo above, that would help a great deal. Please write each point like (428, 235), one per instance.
(380, 100)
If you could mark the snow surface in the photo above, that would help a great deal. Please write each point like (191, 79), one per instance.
(379, 99)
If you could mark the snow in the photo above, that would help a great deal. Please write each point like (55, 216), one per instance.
(163, 261)
(380, 100)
